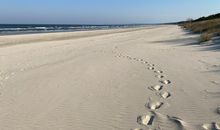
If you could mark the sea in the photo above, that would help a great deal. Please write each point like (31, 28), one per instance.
(11, 29)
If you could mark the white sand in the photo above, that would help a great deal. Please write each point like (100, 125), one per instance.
(100, 80)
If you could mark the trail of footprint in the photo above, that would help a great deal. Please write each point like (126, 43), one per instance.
(148, 119)
(211, 126)
(156, 87)
(153, 105)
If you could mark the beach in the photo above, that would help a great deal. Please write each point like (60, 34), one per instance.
(153, 77)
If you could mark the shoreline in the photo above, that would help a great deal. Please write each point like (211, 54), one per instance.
(9, 40)
(42, 28)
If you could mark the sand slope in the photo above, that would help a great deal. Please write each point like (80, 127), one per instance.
(146, 78)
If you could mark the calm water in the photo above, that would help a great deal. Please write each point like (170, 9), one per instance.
(6, 29)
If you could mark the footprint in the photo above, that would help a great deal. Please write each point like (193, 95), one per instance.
(156, 87)
(151, 65)
(218, 110)
(146, 119)
(128, 57)
(153, 105)
(215, 82)
(137, 129)
(22, 69)
(151, 68)
(165, 81)
(179, 122)
(159, 76)
(7, 77)
(211, 126)
(165, 94)
(158, 71)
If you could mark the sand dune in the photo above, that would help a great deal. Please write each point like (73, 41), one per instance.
(125, 79)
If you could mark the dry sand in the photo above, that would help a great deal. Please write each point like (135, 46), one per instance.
(145, 78)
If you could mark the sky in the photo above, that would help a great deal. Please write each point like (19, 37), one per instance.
(103, 11)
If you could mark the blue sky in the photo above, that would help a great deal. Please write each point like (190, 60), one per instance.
(104, 11)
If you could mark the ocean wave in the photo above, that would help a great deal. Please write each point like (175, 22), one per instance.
(21, 28)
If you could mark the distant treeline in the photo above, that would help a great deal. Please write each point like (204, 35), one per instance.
(214, 16)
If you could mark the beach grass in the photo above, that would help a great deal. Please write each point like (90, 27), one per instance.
(207, 28)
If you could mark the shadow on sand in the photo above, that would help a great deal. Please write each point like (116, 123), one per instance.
(215, 45)
(193, 40)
